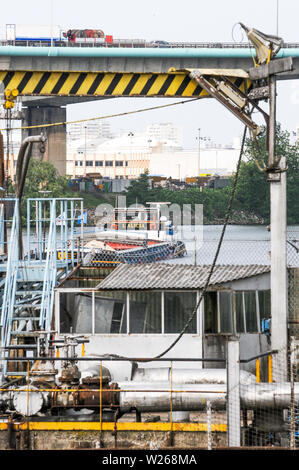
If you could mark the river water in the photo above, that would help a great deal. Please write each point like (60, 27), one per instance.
(242, 244)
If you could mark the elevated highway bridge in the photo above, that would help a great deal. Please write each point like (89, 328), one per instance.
(49, 78)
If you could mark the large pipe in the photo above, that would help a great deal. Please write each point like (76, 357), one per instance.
(188, 376)
(152, 397)
(21, 172)
(148, 397)
(184, 53)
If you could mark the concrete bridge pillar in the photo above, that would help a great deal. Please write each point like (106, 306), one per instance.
(55, 148)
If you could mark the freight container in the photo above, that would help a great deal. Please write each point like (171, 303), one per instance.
(31, 32)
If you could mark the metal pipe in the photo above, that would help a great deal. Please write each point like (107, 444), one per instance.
(191, 376)
(268, 395)
(184, 53)
(191, 397)
(21, 171)
(152, 397)
(194, 397)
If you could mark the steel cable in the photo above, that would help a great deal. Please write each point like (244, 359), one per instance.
(226, 220)
(228, 211)
(108, 116)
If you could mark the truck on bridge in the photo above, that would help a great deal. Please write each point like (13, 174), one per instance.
(29, 34)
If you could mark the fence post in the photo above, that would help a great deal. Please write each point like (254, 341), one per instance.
(209, 425)
(233, 392)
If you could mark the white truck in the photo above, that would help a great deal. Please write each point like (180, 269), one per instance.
(32, 33)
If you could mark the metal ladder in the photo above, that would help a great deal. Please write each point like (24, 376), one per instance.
(28, 296)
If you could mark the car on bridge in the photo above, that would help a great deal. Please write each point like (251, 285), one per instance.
(159, 43)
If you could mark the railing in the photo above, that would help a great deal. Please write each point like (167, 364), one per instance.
(140, 43)
(10, 280)
(50, 273)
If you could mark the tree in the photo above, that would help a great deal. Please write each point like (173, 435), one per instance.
(139, 189)
(43, 175)
(253, 190)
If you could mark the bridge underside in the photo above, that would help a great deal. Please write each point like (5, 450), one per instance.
(103, 84)
(179, 59)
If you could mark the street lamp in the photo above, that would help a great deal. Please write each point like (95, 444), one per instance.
(199, 138)
(131, 135)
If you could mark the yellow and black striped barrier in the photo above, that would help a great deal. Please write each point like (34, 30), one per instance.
(172, 84)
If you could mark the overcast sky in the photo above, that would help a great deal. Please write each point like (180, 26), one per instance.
(171, 20)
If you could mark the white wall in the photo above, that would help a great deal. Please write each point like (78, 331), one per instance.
(184, 164)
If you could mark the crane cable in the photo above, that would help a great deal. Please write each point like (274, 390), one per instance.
(108, 116)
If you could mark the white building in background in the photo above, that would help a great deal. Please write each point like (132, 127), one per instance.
(89, 130)
(184, 163)
(130, 154)
(126, 156)
(164, 132)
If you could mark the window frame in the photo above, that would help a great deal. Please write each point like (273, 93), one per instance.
(199, 315)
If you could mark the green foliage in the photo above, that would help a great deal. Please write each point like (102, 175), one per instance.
(43, 176)
(253, 190)
(139, 189)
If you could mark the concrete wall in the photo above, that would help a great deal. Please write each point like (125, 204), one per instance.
(55, 148)
(82, 439)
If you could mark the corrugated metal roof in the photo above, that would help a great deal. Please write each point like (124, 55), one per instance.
(175, 276)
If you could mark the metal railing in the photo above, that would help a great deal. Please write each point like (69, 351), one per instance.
(10, 279)
(132, 43)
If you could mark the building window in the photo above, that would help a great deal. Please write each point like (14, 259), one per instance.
(110, 312)
(238, 311)
(73, 308)
(226, 312)
(89, 163)
(239, 305)
(250, 311)
(119, 163)
(155, 312)
(99, 162)
(210, 312)
(178, 307)
(264, 297)
(145, 312)
(109, 163)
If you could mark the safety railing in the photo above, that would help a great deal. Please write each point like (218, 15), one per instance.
(140, 43)
(11, 268)
(50, 274)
